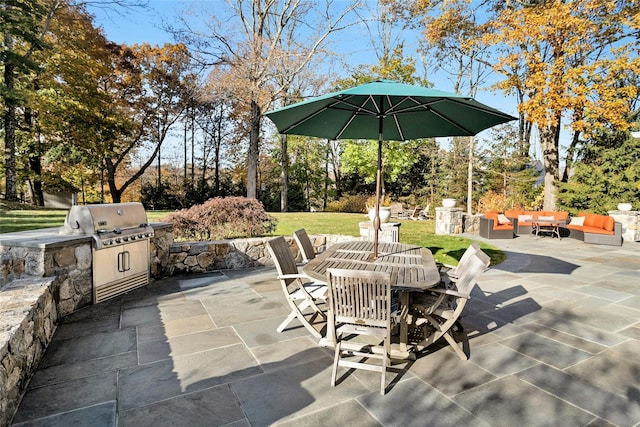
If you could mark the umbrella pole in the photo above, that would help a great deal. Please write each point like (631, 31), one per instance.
(376, 219)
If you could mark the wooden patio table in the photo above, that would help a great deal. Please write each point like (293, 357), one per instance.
(412, 269)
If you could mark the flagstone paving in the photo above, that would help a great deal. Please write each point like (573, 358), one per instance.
(555, 340)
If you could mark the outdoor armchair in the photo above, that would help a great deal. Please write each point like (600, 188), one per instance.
(360, 307)
(302, 294)
(438, 311)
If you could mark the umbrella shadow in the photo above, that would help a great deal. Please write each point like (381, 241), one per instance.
(518, 262)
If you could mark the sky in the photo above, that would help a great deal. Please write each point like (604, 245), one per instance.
(145, 26)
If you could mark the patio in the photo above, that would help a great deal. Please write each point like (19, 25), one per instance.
(555, 338)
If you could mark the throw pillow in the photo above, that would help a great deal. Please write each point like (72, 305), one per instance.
(546, 218)
(579, 220)
(525, 218)
(503, 220)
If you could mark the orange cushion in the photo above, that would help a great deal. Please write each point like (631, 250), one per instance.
(492, 215)
(502, 227)
(594, 222)
(514, 213)
(595, 230)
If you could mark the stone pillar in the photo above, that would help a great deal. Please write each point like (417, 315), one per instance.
(449, 220)
(630, 221)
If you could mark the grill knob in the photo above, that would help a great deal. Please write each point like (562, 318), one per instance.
(126, 239)
(105, 242)
(133, 237)
(117, 240)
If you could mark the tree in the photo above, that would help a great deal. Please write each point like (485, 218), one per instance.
(504, 171)
(608, 173)
(159, 84)
(454, 39)
(66, 106)
(23, 26)
(567, 57)
(261, 37)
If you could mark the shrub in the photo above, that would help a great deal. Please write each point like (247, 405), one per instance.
(492, 201)
(222, 218)
(353, 203)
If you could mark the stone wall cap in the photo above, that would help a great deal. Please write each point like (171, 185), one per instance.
(42, 238)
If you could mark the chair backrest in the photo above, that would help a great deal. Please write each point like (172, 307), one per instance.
(282, 257)
(471, 250)
(472, 271)
(360, 297)
(304, 244)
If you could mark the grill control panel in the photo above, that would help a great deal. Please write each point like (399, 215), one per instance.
(113, 241)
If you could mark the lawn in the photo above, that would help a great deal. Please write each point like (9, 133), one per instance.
(446, 249)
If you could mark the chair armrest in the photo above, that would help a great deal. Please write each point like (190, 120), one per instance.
(450, 292)
(294, 276)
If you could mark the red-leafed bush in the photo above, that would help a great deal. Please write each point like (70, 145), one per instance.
(222, 218)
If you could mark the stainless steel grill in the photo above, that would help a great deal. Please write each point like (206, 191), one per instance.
(121, 238)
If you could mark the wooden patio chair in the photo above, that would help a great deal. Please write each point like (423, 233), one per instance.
(360, 319)
(453, 272)
(419, 214)
(438, 311)
(302, 294)
(304, 244)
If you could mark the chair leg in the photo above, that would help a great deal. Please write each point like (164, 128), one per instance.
(385, 360)
(286, 321)
(459, 351)
(336, 360)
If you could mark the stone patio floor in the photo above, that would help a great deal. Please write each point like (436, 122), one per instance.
(555, 341)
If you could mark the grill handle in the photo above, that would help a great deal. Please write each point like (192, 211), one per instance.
(124, 261)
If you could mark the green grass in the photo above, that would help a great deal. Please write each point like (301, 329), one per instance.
(446, 249)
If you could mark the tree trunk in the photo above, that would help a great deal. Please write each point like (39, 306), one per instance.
(11, 192)
(284, 174)
(35, 162)
(252, 155)
(549, 143)
(185, 152)
(570, 153)
(116, 194)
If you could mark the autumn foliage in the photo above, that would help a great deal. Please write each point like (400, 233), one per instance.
(221, 218)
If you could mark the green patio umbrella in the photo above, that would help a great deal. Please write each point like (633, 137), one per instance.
(386, 110)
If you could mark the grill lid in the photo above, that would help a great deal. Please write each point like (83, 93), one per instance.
(106, 221)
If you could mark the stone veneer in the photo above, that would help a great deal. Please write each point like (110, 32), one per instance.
(28, 317)
(449, 220)
(630, 221)
(198, 257)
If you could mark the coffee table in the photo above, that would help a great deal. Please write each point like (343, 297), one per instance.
(548, 226)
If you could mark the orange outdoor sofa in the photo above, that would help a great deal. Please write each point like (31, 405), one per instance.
(588, 227)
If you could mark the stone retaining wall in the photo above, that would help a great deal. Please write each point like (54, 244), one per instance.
(198, 257)
(69, 265)
(28, 317)
(159, 250)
